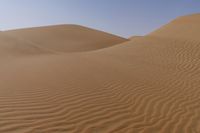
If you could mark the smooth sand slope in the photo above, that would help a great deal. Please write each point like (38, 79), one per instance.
(182, 28)
(67, 38)
(12, 47)
(149, 84)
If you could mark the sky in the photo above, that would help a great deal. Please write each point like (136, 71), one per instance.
(121, 17)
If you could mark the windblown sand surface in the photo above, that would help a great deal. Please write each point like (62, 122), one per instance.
(59, 81)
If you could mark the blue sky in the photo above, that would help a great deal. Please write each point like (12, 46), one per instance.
(121, 17)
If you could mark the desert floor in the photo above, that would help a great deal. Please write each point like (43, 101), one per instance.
(73, 79)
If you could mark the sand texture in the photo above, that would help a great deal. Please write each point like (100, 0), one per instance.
(72, 79)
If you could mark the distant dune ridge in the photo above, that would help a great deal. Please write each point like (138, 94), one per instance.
(72, 79)
(68, 38)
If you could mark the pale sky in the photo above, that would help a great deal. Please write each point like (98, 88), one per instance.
(121, 17)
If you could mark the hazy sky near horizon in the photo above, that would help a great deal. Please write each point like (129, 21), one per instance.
(121, 17)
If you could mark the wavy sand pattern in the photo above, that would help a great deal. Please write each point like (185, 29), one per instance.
(147, 84)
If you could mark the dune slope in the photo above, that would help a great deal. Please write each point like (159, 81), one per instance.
(149, 84)
(14, 47)
(68, 38)
(183, 28)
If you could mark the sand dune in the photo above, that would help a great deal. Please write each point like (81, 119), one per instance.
(68, 38)
(148, 84)
(12, 47)
(183, 28)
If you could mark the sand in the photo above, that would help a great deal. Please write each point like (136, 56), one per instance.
(146, 84)
(77, 38)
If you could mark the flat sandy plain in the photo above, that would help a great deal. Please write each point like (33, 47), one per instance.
(73, 79)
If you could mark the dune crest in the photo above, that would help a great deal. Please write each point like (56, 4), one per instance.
(182, 28)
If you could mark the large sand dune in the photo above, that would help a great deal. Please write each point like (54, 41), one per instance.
(148, 84)
(67, 38)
